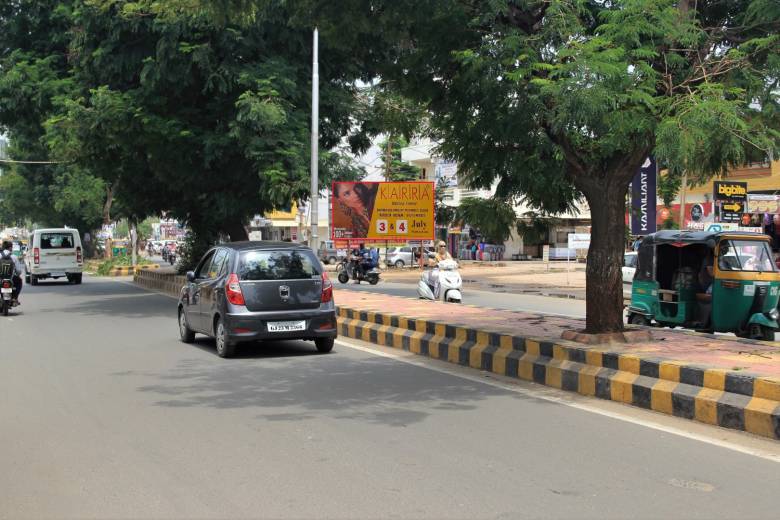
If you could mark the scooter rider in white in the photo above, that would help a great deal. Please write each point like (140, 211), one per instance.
(432, 276)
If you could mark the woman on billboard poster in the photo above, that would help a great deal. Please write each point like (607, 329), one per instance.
(353, 204)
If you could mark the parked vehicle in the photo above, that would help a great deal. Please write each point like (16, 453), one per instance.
(249, 291)
(629, 267)
(328, 253)
(447, 288)
(348, 270)
(404, 256)
(54, 253)
(718, 282)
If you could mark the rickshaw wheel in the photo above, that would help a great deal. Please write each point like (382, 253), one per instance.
(638, 319)
(767, 334)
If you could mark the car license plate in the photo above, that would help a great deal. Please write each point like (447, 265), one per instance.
(286, 326)
(58, 275)
(6, 291)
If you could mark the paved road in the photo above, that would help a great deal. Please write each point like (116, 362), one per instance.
(104, 413)
(496, 300)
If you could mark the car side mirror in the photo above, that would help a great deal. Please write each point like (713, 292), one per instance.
(190, 276)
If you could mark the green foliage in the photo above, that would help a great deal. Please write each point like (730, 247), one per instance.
(104, 268)
(195, 246)
(171, 108)
(395, 169)
(444, 214)
(495, 218)
(535, 228)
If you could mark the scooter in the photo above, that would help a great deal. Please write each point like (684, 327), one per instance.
(348, 270)
(450, 284)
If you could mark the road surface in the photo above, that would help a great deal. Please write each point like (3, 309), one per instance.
(106, 414)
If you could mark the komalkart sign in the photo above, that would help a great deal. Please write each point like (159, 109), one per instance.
(383, 210)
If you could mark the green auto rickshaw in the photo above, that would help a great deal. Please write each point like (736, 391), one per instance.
(708, 281)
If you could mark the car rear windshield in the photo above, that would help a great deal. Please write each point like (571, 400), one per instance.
(277, 265)
(57, 241)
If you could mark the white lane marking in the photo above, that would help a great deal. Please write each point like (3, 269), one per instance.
(544, 394)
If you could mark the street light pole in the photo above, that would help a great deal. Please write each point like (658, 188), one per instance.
(315, 136)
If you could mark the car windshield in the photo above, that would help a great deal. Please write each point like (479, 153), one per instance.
(277, 265)
(56, 240)
(745, 255)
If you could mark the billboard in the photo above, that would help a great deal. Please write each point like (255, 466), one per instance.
(643, 199)
(382, 211)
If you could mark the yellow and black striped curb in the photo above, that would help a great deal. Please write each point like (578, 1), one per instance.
(130, 270)
(730, 399)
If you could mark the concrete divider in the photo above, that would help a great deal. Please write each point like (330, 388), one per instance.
(166, 283)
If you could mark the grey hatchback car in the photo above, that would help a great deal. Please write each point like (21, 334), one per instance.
(251, 291)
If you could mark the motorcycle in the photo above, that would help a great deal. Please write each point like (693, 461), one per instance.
(349, 270)
(449, 286)
(172, 257)
(7, 292)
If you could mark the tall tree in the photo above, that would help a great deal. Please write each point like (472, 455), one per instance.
(393, 168)
(561, 98)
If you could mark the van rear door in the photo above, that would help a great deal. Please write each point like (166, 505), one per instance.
(58, 251)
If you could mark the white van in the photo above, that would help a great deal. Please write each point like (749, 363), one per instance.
(54, 253)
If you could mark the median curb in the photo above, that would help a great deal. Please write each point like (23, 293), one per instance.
(130, 270)
(730, 399)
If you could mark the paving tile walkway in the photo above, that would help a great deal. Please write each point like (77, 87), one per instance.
(712, 351)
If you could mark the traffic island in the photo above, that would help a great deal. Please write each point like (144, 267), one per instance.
(715, 379)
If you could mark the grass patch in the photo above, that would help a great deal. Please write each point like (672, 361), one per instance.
(105, 267)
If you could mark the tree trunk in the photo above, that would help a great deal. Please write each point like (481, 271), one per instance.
(604, 279)
(237, 231)
(107, 252)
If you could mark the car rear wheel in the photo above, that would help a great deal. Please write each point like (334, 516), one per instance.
(77, 279)
(399, 264)
(33, 280)
(185, 332)
(324, 345)
(225, 348)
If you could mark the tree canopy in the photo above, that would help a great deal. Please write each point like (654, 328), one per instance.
(566, 98)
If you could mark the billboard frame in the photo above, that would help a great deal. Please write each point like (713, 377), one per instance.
(397, 238)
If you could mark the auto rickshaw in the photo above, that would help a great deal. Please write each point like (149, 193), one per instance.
(714, 282)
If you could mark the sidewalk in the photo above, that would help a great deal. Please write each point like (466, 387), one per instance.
(717, 379)
(529, 277)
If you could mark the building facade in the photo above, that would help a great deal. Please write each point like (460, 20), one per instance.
(421, 153)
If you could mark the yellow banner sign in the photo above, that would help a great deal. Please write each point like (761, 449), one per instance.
(383, 210)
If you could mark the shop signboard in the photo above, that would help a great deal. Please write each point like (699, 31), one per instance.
(579, 241)
(759, 203)
(643, 199)
(730, 199)
(447, 172)
(383, 211)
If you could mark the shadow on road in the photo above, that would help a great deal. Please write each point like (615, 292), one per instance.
(288, 381)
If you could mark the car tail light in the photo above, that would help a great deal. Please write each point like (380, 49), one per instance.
(327, 289)
(79, 258)
(37, 255)
(6, 284)
(233, 290)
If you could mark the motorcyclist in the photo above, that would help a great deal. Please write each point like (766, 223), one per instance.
(362, 260)
(16, 275)
(433, 275)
